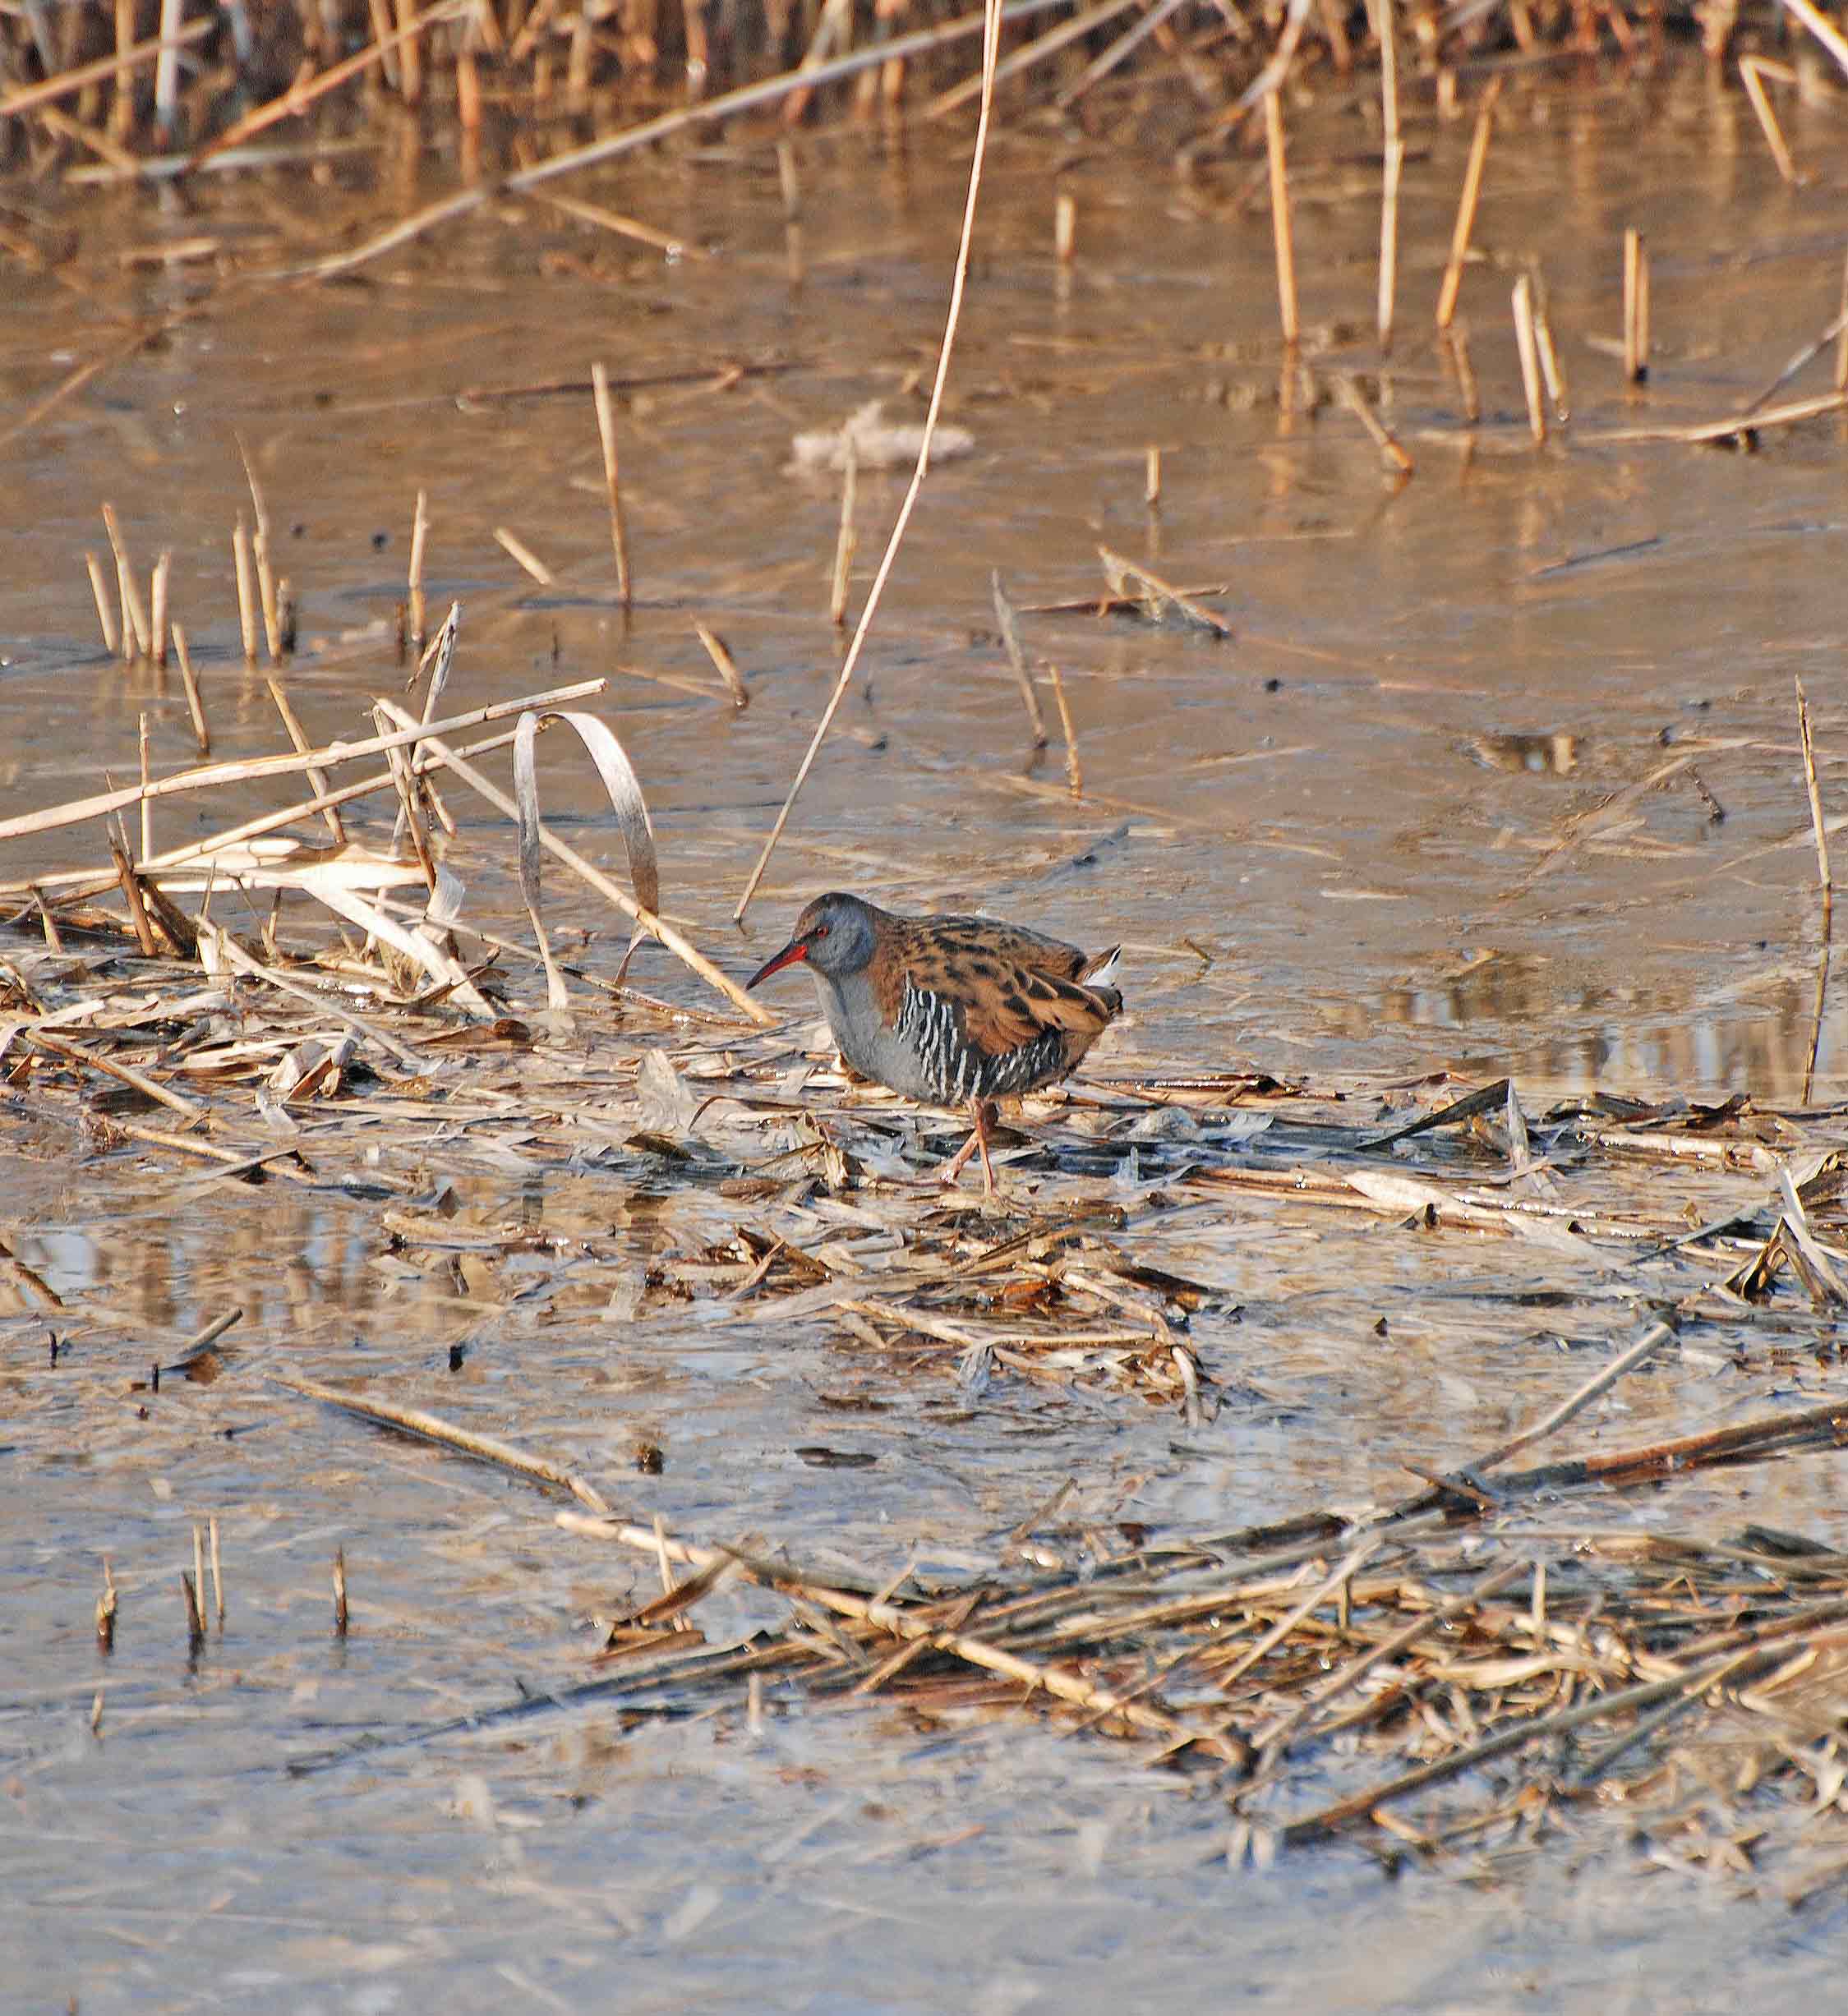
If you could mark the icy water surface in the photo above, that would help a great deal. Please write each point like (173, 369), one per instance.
(1375, 833)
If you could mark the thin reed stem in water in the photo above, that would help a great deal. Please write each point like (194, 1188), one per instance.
(1280, 217)
(247, 589)
(1636, 307)
(1825, 881)
(195, 701)
(1529, 346)
(105, 612)
(1395, 169)
(1466, 207)
(612, 481)
(991, 43)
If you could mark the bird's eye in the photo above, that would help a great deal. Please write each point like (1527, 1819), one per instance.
(821, 930)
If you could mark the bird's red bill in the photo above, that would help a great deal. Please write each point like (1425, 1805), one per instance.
(796, 948)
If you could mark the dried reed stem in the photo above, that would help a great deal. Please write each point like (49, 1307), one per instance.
(247, 589)
(156, 598)
(1529, 347)
(147, 803)
(1466, 207)
(414, 1421)
(136, 637)
(79, 811)
(1636, 307)
(1394, 167)
(729, 105)
(1752, 71)
(105, 612)
(725, 664)
(991, 43)
(301, 94)
(1074, 775)
(67, 83)
(1819, 25)
(265, 572)
(316, 776)
(1010, 628)
(1817, 824)
(1280, 217)
(686, 953)
(612, 482)
(1357, 403)
(1065, 226)
(1151, 477)
(524, 556)
(846, 539)
(420, 536)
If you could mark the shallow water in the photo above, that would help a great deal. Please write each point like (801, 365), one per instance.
(1327, 845)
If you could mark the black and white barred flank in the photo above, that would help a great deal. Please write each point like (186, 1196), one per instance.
(954, 1069)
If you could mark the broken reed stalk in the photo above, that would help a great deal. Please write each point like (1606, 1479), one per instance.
(266, 570)
(195, 1623)
(1652, 1340)
(414, 1421)
(1600, 1706)
(612, 482)
(1151, 477)
(298, 735)
(1529, 346)
(136, 638)
(1395, 169)
(1551, 369)
(157, 600)
(991, 44)
(846, 539)
(1280, 217)
(1074, 775)
(1822, 28)
(106, 1612)
(725, 665)
(687, 954)
(522, 556)
(1817, 823)
(1753, 70)
(147, 803)
(1010, 628)
(1636, 307)
(339, 1592)
(246, 589)
(105, 610)
(413, 586)
(211, 776)
(1065, 227)
(1388, 446)
(217, 1571)
(1466, 207)
(195, 701)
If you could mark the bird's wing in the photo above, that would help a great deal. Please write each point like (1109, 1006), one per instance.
(976, 938)
(1024, 1007)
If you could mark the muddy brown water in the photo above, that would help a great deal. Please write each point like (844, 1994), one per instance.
(1318, 842)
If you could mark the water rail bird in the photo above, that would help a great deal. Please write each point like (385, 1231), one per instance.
(952, 1011)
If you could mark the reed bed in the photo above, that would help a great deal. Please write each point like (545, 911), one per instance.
(1502, 1655)
(129, 87)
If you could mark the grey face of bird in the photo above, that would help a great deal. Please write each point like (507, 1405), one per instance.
(834, 935)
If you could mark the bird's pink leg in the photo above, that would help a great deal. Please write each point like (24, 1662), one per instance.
(979, 1111)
